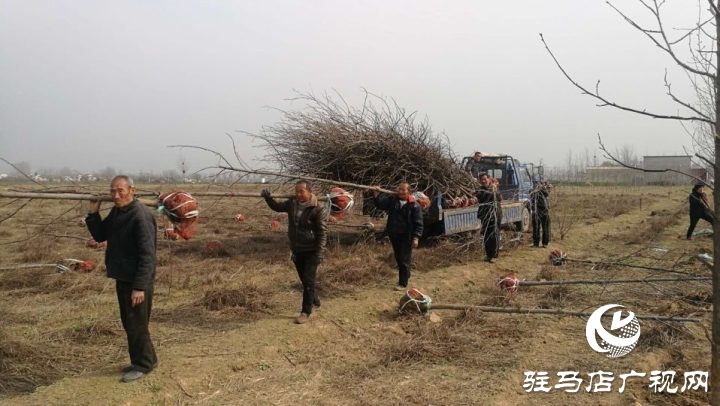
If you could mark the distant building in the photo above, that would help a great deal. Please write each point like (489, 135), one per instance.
(622, 175)
(681, 163)
(614, 174)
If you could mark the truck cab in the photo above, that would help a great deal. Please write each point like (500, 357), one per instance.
(514, 179)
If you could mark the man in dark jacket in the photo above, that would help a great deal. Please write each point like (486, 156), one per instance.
(540, 208)
(404, 228)
(307, 233)
(474, 165)
(130, 232)
(699, 208)
(490, 215)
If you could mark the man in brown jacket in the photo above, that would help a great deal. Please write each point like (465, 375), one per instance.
(307, 234)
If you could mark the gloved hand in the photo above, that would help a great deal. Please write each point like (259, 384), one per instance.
(265, 193)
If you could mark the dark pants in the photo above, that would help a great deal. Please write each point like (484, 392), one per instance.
(491, 240)
(541, 222)
(695, 217)
(402, 247)
(306, 264)
(135, 321)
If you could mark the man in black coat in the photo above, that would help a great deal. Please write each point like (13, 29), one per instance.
(699, 208)
(540, 208)
(404, 228)
(474, 165)
(130, 232)
(307, 234)
(490, 215)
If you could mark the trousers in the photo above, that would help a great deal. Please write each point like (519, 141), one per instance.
(306, 264)
(491, 239)
(135, 321)
(695, 217)
(402, 248)
(541, 226)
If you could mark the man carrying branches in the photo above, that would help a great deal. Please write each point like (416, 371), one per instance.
(307, 234)
(540, 213)
(490, 215)
(130, 232)
(404, 227)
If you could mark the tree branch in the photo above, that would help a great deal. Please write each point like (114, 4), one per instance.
(606, 102)
(666, 47)
(21, 172)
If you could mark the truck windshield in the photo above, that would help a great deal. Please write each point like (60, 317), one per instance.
(525, 175)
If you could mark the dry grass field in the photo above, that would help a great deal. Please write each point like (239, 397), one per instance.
(222, 319)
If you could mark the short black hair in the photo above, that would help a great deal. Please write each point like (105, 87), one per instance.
(481, 174)
(307, 184)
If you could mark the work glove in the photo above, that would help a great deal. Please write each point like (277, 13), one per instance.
(265, 193)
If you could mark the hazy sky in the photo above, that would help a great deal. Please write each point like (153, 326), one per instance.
(90, 84)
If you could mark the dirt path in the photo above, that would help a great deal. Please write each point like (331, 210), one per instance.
(347, 354)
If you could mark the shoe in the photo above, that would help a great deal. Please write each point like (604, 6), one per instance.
(536, 246)
(401, 288)
(132, 375)
(490, 260)
(302, 318)
(128, 369)
(316, 302)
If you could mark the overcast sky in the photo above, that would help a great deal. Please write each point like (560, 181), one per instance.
(91, 84)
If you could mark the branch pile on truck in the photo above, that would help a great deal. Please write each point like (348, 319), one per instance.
(379, 143)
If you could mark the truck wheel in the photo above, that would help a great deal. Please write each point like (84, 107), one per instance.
(524, 224)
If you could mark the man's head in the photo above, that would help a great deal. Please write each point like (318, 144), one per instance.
(478, 156)
(484, 179)
(122, 190)
(403, 191)
(698, 187)
(303, 191)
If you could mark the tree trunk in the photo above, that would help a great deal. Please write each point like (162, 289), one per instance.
(715, 367)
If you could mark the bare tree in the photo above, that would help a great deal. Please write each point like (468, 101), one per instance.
(183, 166)
(108, 173)
(627, 154)
(696, 51)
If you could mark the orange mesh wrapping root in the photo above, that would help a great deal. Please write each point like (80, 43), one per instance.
(182, 210)
(508, 282)
(340, 202)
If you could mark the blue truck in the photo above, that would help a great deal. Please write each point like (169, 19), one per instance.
(515, 182)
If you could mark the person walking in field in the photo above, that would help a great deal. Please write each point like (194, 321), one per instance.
(130, 232)
(490, 215)
(307, 234)
(540, 208)
(404, 228)
(699, 208)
